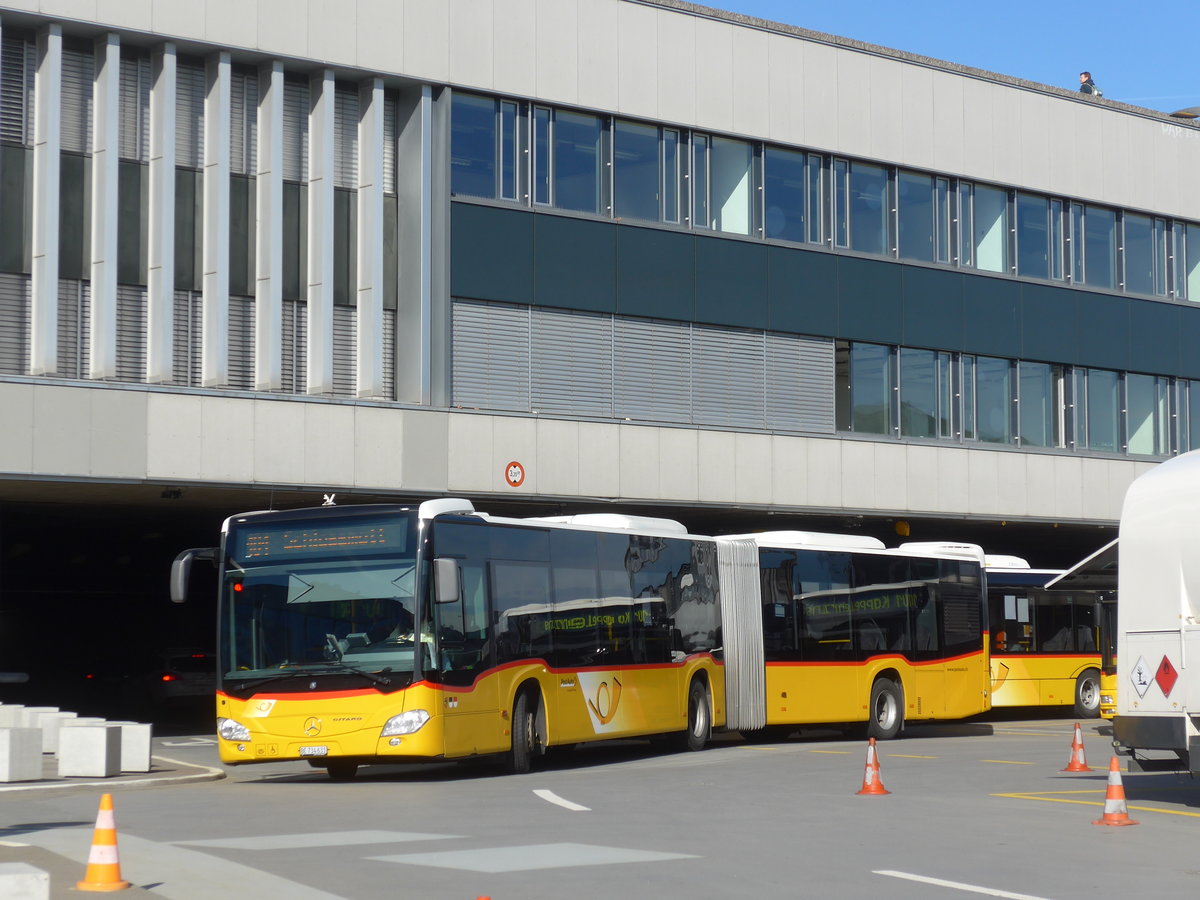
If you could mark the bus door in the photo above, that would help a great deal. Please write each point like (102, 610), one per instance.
(928, 662)
(463, 655)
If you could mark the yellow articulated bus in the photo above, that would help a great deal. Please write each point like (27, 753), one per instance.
(378, 633)
(854, 633)
(1050, 647)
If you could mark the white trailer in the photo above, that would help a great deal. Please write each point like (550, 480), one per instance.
(1158, 619)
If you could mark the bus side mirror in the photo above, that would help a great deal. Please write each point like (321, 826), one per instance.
(445, 580)
(181, 570)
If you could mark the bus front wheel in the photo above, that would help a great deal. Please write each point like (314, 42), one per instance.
(1087, 695)
(886, 710)
(699, 719)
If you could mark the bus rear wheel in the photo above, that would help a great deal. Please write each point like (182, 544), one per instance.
(886, 710)
(1087, 695)
(525, 741)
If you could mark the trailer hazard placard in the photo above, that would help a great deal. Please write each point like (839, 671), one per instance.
(1166, 676)
(1141, 675)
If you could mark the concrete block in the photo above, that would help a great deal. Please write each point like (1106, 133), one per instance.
(21, 881)
(135, 746)
(31, 715)
(82, 720)
(89, 751)
(12, 715)
(20, 756)
(50, 724)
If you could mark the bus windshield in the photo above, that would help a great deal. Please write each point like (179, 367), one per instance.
(332, 599)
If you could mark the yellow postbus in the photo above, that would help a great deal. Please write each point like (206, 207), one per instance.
(856, 634)
(378, 633)
(1049, 647)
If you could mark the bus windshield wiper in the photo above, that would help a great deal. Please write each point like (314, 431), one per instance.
(335, 669)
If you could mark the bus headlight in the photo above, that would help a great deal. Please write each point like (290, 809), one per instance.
(405, 723)
(232, 730)
(1106, 700)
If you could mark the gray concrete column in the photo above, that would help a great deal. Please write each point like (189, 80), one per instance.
(370, 238)
(215, 282)
(160, 262)
(320, 232)
(106, 151)
(47, 145)
(268, 291)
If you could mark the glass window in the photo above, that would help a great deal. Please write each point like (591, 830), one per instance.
(993, 399)
(841, 206)
(700, 180)
(671, 175)
(880, 603)
(730, 182)
(1076, 240)
(868, 208)
(1056, 240)
(968, 398)
(966, 226)
(915, 216)
(821, 583)
(919, 393)
(990, 228)
(1147, 420)
(1038, 407)
(942, 219)
(816, 212)
(1100, 247)
(1193, 415)
(473, 141)
(1102, 410)
(784, 183)
(1145, 254)
(1191, 256)
(871, 382)
(576, 162)
(1033, 236)
(635, 171)
(541, 155)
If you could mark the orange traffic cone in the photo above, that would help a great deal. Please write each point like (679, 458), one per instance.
(104, 868)
(1078, 763)
(1115, 812)
(871, 782)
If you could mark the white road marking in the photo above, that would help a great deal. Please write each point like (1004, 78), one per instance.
(531, 858)
(551, 797)
(957, 885)
(317, 839)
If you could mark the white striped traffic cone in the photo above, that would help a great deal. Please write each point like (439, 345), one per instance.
(103, 868)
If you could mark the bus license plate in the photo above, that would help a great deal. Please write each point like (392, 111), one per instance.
(314, 751)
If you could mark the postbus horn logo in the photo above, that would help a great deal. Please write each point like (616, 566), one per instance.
(604, 707)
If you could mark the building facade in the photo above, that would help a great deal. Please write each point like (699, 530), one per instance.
(573, 252)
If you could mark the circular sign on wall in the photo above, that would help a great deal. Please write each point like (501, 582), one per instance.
(514, 474)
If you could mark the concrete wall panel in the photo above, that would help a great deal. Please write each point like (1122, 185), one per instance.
(118, 13)
(225, 461)
(676, 65)
(751, 88)
(328, 445)
(954, 477)
(118, 445)
(16, 437)
(785, 89)
(597, 43)
(1033, 116)
(825, 473)
(637, 63)
(515, 440)
(557, 456)
(1006, 132)
(172, 18)
(471, 49)
(557, 50)
(1068, 487)
(978, 124)
(639, 455)
(789, 470)
(890, 475)
(469, 452)
(332, 31)
(423, 457)
(921, 477)
(857, 480)
(915, 109)
(231, 23)
(379, 447)
(679, 464)
(1039, 477)
(282, 25)
(1012, 482)
(514, 67)
(718, 466)
(752, 470)
(853, 98)
(821, 112)
(278, 452)
(713, 68)
(427, 38)
(599, 459)
(949, 154)
(887, 109)
(174, 436)
(382, 38)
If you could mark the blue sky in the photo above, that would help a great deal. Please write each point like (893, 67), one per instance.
(1143, 53)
